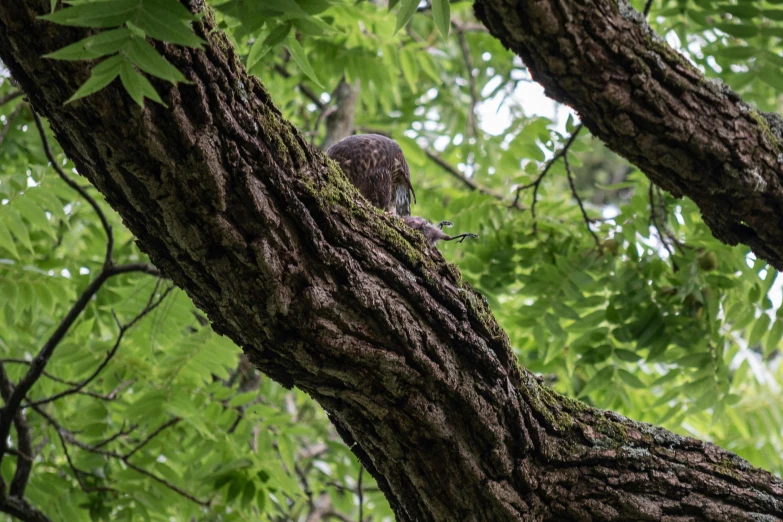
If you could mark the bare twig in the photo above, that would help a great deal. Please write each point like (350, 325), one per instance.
(45, 374)
(647, 7)
(121, 433)
(38, 364)
(361, 493)
(151, 305)
(70, 438)
(151, 436)
(661, 230)
(21, 509)
(8, 122)
(537, 182)
(307, 91)
(472, 185)
(474, 99)
(9, 97)
(78, 188)
(579, 200)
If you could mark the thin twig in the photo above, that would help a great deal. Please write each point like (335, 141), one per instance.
(537, 182)
(78, 188)
(361, 493)
(474, 99)
(151, 436)
(121, 433)
(472, 185)
(45, 374)
(10, 96)
(661, 235)
(70, 437)
(647, 7)
(38, 363)
(307, 91)
(8, 122)
(109, 355)
(579, 200)
(42, 358)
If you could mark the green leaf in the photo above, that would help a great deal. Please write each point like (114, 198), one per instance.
(17, 227)
(631, 380)
(405, 13)
(671, 412)
(137, 85)
(6, 240)
(261, 47)
(739, 30)
(773, 14)
(626, 355)
(101, 14)
(101, 44)
(737, 52)
(409, 69)
(287, 451)
(146, 58)
(773, 339)
(34, 215)
(759, 329)
(299, 56)
(599, 381)
(772, 76)
(168, 21)
(248, 493)
(236, 487)
(243, 398)
(441, 10)
(101, 76)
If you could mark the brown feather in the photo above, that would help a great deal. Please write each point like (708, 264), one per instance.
(376, 165)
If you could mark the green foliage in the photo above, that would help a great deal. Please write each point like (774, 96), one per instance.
(658, 320)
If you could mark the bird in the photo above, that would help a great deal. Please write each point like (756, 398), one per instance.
(377, 167)
(434, 233)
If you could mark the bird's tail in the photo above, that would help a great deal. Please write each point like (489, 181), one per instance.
(402, 200)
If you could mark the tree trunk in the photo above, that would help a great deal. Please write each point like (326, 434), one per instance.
(328, 294)
(690, 135)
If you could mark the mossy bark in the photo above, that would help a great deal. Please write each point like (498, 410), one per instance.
(328, 294)
(691, 136)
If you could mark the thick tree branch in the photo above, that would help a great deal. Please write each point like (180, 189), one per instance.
(690, 135)
(328, 294)
(24, 454)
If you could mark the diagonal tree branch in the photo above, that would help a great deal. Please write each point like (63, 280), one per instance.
(691, 136)
(24, 454)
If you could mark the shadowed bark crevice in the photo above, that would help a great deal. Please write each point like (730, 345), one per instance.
(326, 293)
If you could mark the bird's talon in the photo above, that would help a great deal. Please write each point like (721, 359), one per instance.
(445, 224)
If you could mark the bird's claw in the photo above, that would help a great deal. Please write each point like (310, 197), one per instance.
(462, 237)
(468, 235)
(444, 224)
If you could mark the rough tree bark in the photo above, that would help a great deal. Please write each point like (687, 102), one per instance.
(690, 135)
(326, 293)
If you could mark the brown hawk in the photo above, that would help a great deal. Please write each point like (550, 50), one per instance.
(376, 166)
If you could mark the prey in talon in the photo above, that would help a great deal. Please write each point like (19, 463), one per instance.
(433, 233)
